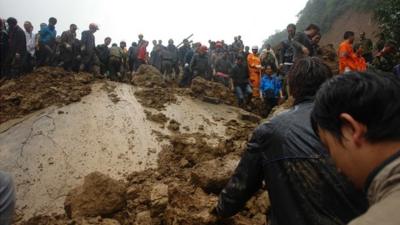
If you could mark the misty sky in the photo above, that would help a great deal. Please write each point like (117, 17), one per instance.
(255, 20)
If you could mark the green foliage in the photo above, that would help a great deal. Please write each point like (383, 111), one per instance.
(388, 16)
(323, 13)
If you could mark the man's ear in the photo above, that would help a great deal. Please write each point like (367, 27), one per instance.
(352, 129)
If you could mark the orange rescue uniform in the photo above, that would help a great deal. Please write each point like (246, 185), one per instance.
(254, 64)
(347, 57)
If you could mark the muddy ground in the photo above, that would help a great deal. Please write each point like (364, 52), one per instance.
(147, 153)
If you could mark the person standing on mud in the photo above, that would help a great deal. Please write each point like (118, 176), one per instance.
(103, 53)
(347, 57)
(169, 60)
(240, 80)
(142, 53)
(187, 72)
(286, 55)
(16, 49)
(254, 65)
(124, 63)
(304, 186)
(115, 61)
(302, 41)
(200, 64)
(367, 46)
(155, 57)
(182, 52)
(30, 47)
(66, 47)
(132, 54)
(363, 138)
(47, 43)
(90, 61)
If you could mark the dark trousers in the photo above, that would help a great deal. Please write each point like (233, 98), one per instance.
(187, 78)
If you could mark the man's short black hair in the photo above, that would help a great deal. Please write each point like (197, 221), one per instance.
(291, 25)
(348, 34)
(371, 99)
(313, 27)
(306, 76)
(52, 20)
(107, 38)
(12, 21)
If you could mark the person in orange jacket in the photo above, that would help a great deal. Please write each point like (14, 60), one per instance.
(361, 62)
(254, 64)
(347, 57)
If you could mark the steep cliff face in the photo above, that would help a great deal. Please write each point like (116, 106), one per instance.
(356, 21)
(334, 17)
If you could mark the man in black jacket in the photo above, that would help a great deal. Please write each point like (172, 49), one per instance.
(90, 61)
(302, 41)
(303, 186)
(16, 49)
(240, 79)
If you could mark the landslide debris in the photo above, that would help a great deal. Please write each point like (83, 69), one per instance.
(212, 92)
(156, 98)
(99, 195)
(148, 76)
(192, 170)
(44, 87)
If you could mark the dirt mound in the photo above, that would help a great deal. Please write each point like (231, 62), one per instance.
(155, 98)
(99, 195)
(63, 220)
(44, 87)
(158, 117)
(148, 76)
(189, 205)
(213, 175)
(212, 92)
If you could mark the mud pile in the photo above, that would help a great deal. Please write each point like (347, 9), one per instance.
(192, 170)
(155, 98)
(212, 92)
(44, 87)
(148, 76)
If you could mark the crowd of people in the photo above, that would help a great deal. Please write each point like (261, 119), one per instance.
(292, 153)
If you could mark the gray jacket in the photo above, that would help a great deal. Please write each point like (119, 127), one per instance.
(383, 195)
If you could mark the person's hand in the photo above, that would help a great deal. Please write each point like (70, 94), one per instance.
(305, 51)
(68, 46)
(17, 56)
(258, 66)
(280, 66)
(186, 65)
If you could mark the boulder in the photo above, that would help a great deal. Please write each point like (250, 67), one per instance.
(99, 195)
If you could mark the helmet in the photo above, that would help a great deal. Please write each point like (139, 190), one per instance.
(93, 26)
(255, 47)
(203, 48)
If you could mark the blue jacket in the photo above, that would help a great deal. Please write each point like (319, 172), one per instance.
(271, 83)
(48, 35)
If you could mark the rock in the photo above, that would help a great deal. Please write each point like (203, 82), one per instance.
(158, 198)
(99, 195)
(174, 125)
(95, 221)
(213, 175)
(212, 92)
(148, 76)
(188, 205)
(143, 218)
(158, 118)
(250, 117)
